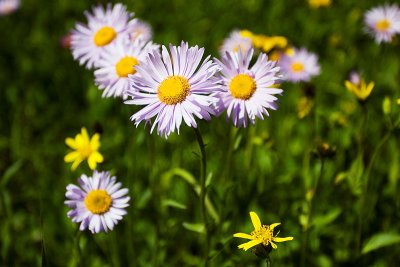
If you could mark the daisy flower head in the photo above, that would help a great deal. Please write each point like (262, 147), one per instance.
(246, 91)
(85, 148)
(8, 6)
(140, 29)
(118, 62)
(261, 235)
(105, 26)
(174, 88)
(383, 22)
(97, 203)
(237, 40)
(299, 65)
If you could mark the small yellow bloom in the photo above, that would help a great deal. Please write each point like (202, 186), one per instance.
(304, 107)
(361, 89)
(262, 234)
(319, 3)
(84, 148)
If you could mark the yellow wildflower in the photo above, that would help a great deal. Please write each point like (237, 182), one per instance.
(265, 43)
(360, 88)
(319, 3)
(262, 234)
(84, 148)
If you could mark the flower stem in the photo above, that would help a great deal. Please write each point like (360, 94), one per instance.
(305, 233)
(203, 167)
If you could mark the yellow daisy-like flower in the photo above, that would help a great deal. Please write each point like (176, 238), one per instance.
(319, 3)
(265, 43)
(360, 88)
(84, 149)
(262, 234)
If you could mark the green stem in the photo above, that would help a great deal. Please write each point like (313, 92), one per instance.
(78, 248)
(305, 233)
(203, 166)
(365, 187)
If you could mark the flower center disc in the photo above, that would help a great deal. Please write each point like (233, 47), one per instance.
(173, 90)
(125, 66)
(382, 25)
(263, 233)
(98, 201)
(297, 67)
(85, 150)
(104, 36)
(242, 86)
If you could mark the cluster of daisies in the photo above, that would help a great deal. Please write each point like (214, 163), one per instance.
(176, 84)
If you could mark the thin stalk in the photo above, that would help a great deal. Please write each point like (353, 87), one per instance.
(365, 187)
(203, 167)
(305, 233)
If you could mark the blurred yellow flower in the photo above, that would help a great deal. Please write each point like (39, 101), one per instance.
(359, 87)
(319, 3)
(265, 43)
(84, 149)
(262, 234)
(304, 107)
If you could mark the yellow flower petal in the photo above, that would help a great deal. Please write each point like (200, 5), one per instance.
(250, 244)
(282, 239)
(273, 245)
(92, 163)
(85, 134)
(272, 226)
(70, 157)
(242, 235)
(76, 163)
(95, 141)
(70, 142)
(255, 220)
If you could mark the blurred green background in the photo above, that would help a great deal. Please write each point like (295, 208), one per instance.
(273, 168)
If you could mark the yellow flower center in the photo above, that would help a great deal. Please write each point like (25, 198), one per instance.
(297, 67)
(85, 150)
(263, 233)
(98, 201)
(126, 66)
(242, 86)
(173, 90)
(382, 25)
(104, 36)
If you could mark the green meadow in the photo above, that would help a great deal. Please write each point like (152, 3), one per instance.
(324, 164)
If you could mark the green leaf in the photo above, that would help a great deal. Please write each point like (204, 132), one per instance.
(174, 204)
(381, 240)
(195, 227)
(322, 220)
(11, 171)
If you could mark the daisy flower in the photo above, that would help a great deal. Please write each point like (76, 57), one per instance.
(118, 62)
(359, 87)
(105, 26)
(299, 65)
(262, 234)
(246, 92)
(84, 149)
(174, 87)
(8, 6)
(237, 40)
(383, 22)
(140, 29)
(97, 203)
